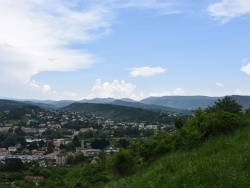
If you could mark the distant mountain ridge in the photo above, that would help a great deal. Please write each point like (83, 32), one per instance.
(192, 102)
(149, 106)
(166, 103)
(182, 102)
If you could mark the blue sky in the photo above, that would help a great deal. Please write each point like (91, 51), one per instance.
(58, 49)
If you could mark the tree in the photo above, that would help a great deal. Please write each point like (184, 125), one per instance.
(33, 145)
(41, 143)
(45, 173)
(178, 123)
(99, 143)
(76, 141)
(19, 131)
(123, 143)
(227, 104)
(70, 146)
(123, 162)
(10, 130)
(10, 141)
(13, 164)
(88, 134)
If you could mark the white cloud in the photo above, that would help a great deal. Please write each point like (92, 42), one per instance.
(146, 71)
(237, 92)
(226, 10)
(39, 31)
(219, 84)
(179, 91)
(115, 90)
(45, 91)
(246, 68)
(163, 8)
(38, 36)
(164, 93)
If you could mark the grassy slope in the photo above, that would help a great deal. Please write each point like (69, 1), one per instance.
(221, 162)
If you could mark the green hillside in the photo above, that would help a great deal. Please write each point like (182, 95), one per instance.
(120, 113)
(221, 162)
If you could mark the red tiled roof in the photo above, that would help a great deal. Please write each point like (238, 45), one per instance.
(39, 178)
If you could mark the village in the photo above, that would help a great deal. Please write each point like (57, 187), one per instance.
(56, 138)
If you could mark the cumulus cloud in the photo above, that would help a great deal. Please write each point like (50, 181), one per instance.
(219, 84)
(146, 71)
(164, 93)
(237, 92)
(114, 89)
(246, 68)
(226, 10)
(177, 91)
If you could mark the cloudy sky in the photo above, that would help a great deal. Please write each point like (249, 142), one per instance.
(59, 49)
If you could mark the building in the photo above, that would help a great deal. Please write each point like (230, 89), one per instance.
(62, 159)
(58, 142)
(38, 153)
(12, 149)
(92, 152)
(3, 152)
(86, 129)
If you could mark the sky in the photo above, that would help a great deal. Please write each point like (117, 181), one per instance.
(84, 49)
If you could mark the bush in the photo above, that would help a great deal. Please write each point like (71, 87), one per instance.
(123, 162)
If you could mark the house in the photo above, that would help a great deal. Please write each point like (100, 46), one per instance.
(25, 151)
(92, 152)
(42, 163)
(44, 148)
(4, 129)
(58, 142)
(12, 149)
(41, 130)
(152, 127)
(38, 153)
(110, 150)
(109, 122)
(86, 129)
(62, 159)
(78, 154)
(42, 125)
(3, 152)
(29, 130)
(141, 126)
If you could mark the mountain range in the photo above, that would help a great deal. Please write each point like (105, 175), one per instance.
(180, 104)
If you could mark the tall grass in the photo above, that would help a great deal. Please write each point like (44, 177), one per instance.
(221, 162)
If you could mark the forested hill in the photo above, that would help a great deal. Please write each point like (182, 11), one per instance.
(192, 102)
(150, 107)
(119, 113)
(10, 104)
